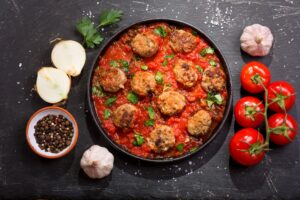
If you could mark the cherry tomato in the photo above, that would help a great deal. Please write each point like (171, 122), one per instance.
(252, 74)
(246, 147)
(249, 111)
(284, 128)
(281, 96)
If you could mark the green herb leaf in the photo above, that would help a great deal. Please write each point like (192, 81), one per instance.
(91, 36)
(159, 77)
(194, 33)
(110, 101)
(138, 140)
(97, 90)
(109, 17)
(149, 122)
(132, 97)
(114, 63)
(213, 63)
(160, 31)
(180, 147)
(106, 114)
(165, 62)
(212, 99)
(170, 56)
(200, 69)
(124, 64)
(207, 50)
(144, 67)
(151, 112)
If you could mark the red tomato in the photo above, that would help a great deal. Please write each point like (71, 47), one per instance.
(281, 96)
(248, 112)
(251, 73)
(284, 128)
(246, 147)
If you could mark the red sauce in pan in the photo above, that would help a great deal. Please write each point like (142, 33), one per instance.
(163, 62)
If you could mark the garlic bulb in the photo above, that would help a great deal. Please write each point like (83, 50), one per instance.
(97, 162)
(256, 40)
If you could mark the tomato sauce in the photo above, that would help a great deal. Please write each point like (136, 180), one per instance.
(163, 62)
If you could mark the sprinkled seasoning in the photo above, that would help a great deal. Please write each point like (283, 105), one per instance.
(53, 133)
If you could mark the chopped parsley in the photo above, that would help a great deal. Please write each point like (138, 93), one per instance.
(180, 147)
(165, 62)
(159, 77)
(213, 98)
(149, 122)
(160, 31)
(132, 97)
(124, 64)
(97, 90)
(170, 56)
(138, 140)
(200, 69)
(207, 50)
(110, 101)
(213, 63)
(151, 112)
(144, 67)
(114, 63)
(106, 114)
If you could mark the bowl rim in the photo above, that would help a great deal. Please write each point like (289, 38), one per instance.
(175, 22)
(69, 148)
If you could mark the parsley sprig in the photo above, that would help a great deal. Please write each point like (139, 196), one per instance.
(90, 33)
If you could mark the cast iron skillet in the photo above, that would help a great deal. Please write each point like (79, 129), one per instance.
(114, 38)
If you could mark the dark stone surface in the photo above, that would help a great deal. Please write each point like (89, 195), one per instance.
(26, 27)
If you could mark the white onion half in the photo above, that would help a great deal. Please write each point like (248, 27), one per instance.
(53, 85)
(69, 56)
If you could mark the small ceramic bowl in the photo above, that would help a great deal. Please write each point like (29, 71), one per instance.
(54, 110)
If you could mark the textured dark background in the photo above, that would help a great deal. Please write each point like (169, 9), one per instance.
(26, 27)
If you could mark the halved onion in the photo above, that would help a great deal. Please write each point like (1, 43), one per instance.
(53, 85)
(69, 56)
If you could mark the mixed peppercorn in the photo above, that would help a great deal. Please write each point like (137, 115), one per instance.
(53, 133)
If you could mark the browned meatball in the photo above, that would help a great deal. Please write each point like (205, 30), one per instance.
(143, 82)
(112, 79)
(199, 123)
(182, 41)
(161, 139)
(185, 73)
(124, 116)
(171, 102)
(144, 45)
(213, 79)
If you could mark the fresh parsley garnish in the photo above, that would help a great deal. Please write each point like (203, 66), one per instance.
(214, 98)
(180, 147)
(165, 62)
(144, 67)
(97, 90)
(90, 33)
(207, 50)
(114, 63)
(132, 98)
(124, 64)
(110, 101)
(109, 17)
(138, 139)
(170, 56)
(160, 31)
(149, 122)
(200, 69)
(151, 112)
(91, 36)
(106, 114)
(213, 63)
(159, 77)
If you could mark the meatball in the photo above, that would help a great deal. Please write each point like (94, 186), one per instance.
(199, 123)
(182, 41)
(143, 82)
(185, 73)
(213, 79)
(161, 139)
(171, 102)
(144, 45)
(112, 79)
(124, 116)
